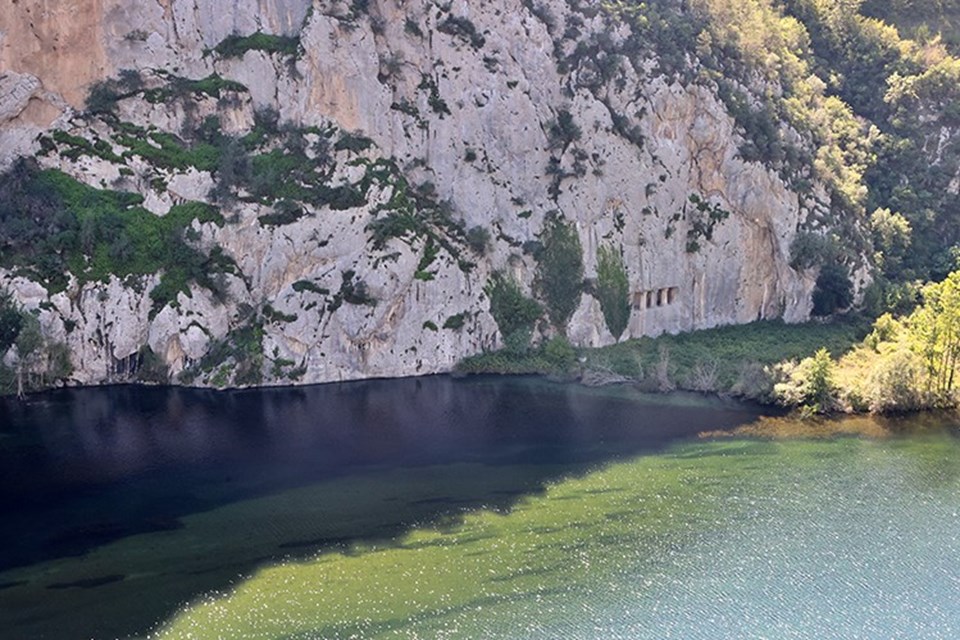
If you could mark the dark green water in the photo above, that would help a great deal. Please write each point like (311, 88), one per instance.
(436, 508)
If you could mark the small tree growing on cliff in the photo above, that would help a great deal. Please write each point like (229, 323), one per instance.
(29, 344)
(10, 321)
(559, 277)
(833, 292)
(514, 313)
(613, 290)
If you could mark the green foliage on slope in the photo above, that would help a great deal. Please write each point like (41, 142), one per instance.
(902, 365)
(52, 225)
(920, 20)
(830, 91)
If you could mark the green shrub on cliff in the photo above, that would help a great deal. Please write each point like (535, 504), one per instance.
(514, 313)
(235, 46)
(52, 225)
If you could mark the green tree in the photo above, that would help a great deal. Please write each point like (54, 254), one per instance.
(935, 333)
(10, 321)
(514, 313)
(885, 329)
(820, 388)
(29, 346)
(891, 231)
(833, 291)
(892, 237)
(613, 290)
(560, 269)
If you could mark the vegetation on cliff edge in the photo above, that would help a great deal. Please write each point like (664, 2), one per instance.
(849, 365)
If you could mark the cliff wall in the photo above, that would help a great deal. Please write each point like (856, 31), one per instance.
(457, 115)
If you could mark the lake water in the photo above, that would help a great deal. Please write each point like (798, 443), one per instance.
(480, 508)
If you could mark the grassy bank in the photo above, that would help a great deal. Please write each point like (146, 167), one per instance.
(735, 359)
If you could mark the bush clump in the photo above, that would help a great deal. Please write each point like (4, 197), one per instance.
(809, 384)
(514, 313)
(463, 28)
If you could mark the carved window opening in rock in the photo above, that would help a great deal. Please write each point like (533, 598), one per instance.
(655, 297)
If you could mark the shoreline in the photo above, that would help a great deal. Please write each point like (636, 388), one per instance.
(770, 410)
(743, 363)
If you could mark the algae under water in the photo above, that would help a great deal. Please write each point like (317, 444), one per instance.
(799, 539)
(487, 508)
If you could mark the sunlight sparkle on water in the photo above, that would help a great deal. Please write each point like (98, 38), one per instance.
(716, 540)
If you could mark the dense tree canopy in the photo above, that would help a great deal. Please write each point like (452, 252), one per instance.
(833, 292)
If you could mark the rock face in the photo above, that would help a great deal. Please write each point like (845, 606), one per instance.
(466, 100)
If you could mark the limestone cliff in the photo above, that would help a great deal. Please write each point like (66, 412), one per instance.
(419, 121)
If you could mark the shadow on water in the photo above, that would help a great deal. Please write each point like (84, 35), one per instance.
(117, 505)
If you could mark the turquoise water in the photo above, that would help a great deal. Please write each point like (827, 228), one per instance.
(842, 538)
(863, 542)
(506, 509)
